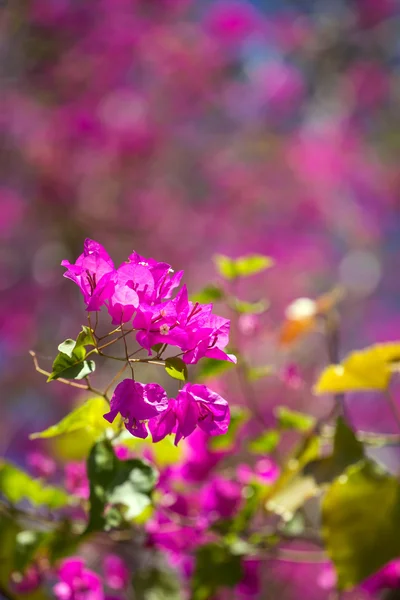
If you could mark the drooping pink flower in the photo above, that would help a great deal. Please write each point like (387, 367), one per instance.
(116, 572)
(136, 403)
(195, 405)
(92, 272)
(77, 582)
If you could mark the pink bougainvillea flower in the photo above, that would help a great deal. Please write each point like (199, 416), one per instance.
(250, 585)
(76, 480)
(200, 460)
(24, 583)
(221, 498)
(291, 376)
(164, 281)
(92, 272)
(195, 405)
(116, 572)
(77, 582)
(265, 471)
(191, 327)
(41, 464)
(137, 402)
(386, 578)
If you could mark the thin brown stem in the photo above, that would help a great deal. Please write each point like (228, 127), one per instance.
(115, 378)
(60, 379)
(127, 353)
(115, 340)
(81, 386)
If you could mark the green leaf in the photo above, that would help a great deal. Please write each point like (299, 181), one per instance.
(347, 450)
(176, 368)
(295, 526)
(68, 346)
(71, 367)
(255, 373)
(116, 482)
(156, 583)
(211, 293)
(16, 485)
(361, 522)
(211, 367)
(216, 567)
(225, 266)
(88, 417)
(265, 443)
(244, 266)
(249, 308)
(291, 419)
(85, 337)
(157, 347)
(26, 545)
(132, 486)
(293, 488)
(239, 416)
(164, 452)
(252, 264)
(62, 541)
(70, 362)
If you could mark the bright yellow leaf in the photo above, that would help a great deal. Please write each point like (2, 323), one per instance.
(368, 369)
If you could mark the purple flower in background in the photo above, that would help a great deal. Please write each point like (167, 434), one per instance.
(24, 583)
(386, 578)
(41, 465)
(265, 472)
(92, 272)
(77, 582)
(199, 460)
(221, 498)
(116, 573)
(76, 480)
(195, 405)
(250, 584)
(137, 402)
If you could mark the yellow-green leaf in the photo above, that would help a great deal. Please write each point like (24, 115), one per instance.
(16, 485)
(368, 369)
(252, 264)
(88, 416)
(211, 367)
(176, 368)
(225, 266)
(361, 522)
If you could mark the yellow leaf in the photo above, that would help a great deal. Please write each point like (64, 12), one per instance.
(368, 369)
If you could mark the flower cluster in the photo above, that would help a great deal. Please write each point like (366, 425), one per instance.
(77, 582)
(195, 405)
(140, 291)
